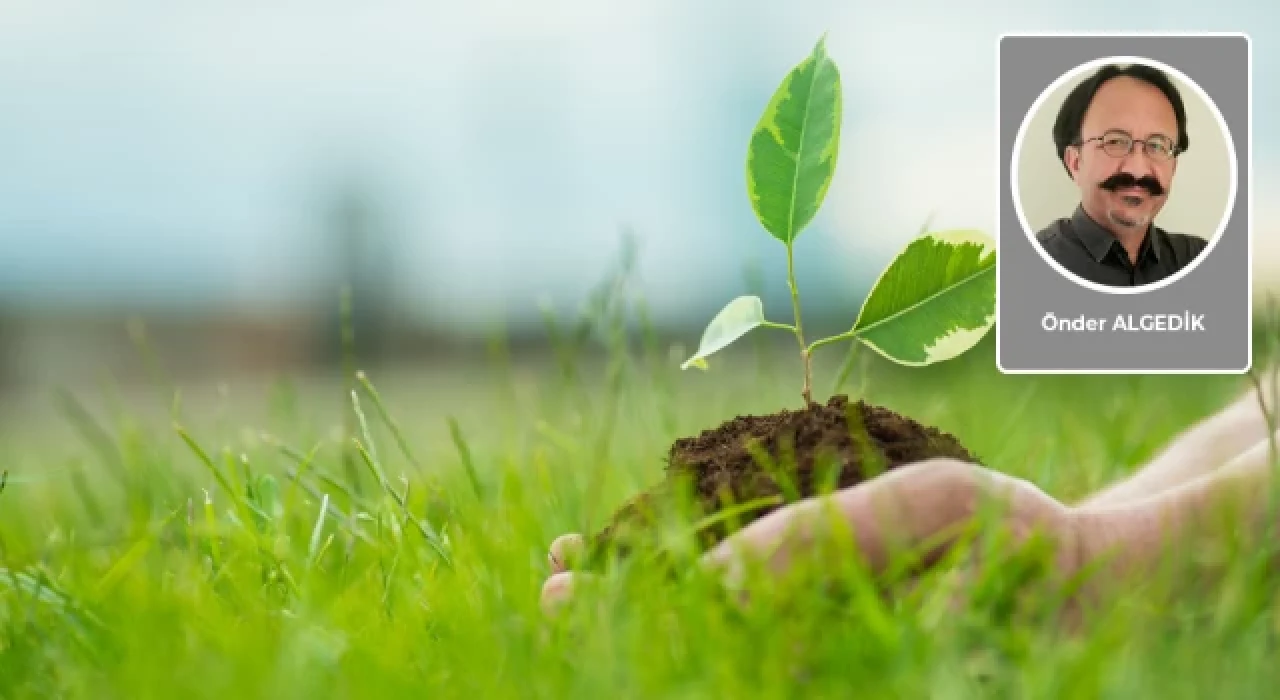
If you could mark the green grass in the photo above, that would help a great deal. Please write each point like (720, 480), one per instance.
(134, 569)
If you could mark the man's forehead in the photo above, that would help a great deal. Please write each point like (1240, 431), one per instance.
(1131, 104)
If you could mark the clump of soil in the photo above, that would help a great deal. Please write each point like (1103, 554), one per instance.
(805, 452)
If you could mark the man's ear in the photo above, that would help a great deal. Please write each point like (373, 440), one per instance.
(1071, 158)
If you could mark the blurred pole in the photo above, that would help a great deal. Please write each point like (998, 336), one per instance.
(361, 273)
(8, 377)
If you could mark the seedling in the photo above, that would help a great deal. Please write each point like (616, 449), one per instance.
(936, 299)
(933, 302)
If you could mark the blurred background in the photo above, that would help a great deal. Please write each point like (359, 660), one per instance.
(207, 177)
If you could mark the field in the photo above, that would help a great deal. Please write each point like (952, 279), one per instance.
(175, 547)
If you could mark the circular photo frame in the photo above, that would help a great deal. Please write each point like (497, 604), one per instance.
(1038, 170)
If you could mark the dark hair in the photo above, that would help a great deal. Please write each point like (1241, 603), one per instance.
(1066, 130)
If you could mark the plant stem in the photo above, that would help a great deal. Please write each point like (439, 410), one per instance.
(806, 392)
(848, 363)
(849, 335)
(849, 359)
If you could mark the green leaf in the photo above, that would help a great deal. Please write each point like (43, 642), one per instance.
(935, 301)
(735, 320)
(792, 155)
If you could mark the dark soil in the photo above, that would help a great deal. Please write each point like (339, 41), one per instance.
(815, 450)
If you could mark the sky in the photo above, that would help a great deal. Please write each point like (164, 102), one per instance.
(167, 154)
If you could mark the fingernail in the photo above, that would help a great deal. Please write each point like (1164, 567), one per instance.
(565, 551)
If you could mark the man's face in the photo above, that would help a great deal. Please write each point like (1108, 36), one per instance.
(1118, 189)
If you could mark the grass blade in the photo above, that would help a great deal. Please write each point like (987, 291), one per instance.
(131, 558)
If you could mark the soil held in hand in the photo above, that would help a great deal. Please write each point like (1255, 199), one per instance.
(807, 452)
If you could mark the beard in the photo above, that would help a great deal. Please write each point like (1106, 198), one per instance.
(1125, 219)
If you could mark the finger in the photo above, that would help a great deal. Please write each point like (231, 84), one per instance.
(770, 539)
(759, 542)
(725, 562)
(558, 590)
(565, 552)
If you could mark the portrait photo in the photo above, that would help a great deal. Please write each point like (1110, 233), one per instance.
(1123, 173)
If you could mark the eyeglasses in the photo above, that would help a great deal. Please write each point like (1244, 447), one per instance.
(1118, 144)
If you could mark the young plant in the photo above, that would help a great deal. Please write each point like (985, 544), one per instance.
(932, 303)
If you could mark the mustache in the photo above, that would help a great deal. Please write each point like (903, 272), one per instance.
(1122, 180)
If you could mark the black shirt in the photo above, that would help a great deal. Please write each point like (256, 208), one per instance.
(1089, 251)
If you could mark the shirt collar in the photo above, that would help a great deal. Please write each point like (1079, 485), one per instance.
(1098, 240)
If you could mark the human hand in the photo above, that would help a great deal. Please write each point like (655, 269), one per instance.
(913, 505)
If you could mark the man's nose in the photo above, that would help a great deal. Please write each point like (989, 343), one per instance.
(1138, 162)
